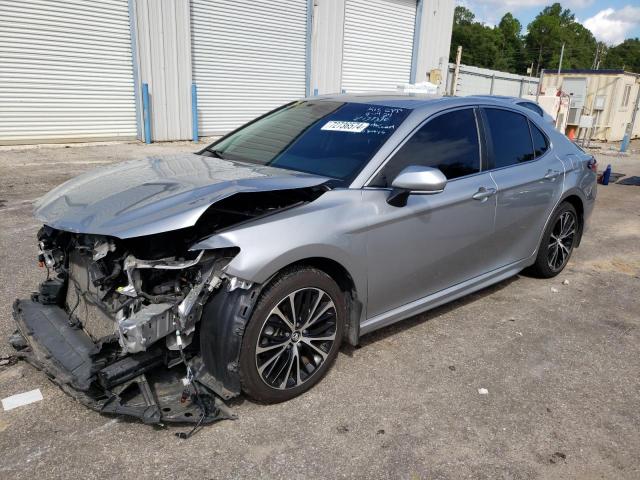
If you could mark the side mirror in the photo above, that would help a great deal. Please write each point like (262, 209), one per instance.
(418, 179)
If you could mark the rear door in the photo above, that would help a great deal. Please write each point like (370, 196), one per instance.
(529, 178)
(437, 240)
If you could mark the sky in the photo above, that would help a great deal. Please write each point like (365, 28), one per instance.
(611, 21)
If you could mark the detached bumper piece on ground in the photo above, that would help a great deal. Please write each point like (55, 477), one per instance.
(138, 385)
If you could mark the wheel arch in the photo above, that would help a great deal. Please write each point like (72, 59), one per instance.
(574, 198)
(345, 281)
(226, 315)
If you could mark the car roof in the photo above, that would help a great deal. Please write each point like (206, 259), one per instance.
(504, 98)
(387, 99)
(415, 101)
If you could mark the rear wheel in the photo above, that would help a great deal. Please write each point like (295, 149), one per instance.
(557, 242)
(293, 335)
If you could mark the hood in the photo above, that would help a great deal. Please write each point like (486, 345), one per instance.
(156, 194)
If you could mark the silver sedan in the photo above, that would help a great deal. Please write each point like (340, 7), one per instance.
(243, 267)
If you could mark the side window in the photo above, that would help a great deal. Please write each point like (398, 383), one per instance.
(625, 95)
(448, 142)
(533, 107)
(510, 137)
(540, 144)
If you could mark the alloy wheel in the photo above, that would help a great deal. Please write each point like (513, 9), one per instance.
(561, 241)
(296, 338)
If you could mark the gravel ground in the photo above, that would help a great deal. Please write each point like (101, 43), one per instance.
(560, 360)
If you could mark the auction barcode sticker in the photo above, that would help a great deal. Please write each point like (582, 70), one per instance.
(340, 126)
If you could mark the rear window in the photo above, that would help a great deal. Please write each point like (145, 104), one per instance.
(510, 137)
(540, 144)
(328, 138)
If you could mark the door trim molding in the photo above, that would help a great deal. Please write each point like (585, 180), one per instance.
(443, 296)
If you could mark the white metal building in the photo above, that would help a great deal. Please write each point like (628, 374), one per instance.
(608, 97)
(74, 70)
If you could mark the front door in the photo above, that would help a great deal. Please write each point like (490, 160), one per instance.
(438, 240)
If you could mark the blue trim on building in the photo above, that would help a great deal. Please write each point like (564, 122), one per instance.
(146, 112)
(136, 73)
(416, 41)
(586, 71)
(194, 112)
(625, 142)
(307, 66)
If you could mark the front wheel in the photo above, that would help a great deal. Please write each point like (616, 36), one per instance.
(557, 242)
(293, 335)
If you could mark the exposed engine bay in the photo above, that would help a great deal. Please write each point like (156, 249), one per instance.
(115, 296)
(117, 321)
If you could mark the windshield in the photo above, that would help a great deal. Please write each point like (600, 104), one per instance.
(327, 138)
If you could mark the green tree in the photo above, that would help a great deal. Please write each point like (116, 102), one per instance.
(552, 27)
(512, 46)
(463, 16)
(483, 46)
(624, 56)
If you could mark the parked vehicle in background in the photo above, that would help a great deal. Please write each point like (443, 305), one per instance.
(178, 282)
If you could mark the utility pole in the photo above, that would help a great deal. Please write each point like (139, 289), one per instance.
(561, 56)
(600, 53)
(530, 72)
(456, 71)
(595, 59)
(539, 85)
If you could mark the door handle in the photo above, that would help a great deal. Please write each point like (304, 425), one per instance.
(483, 193)
(551, 174)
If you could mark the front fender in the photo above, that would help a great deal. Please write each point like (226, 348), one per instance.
(333, 227)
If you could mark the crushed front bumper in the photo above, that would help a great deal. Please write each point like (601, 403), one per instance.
(138, 385)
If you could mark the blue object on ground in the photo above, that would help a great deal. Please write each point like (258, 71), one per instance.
(606, 175)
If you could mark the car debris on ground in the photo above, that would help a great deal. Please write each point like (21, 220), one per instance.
(21, 399)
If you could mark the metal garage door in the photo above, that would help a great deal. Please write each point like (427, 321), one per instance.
(378, 43)
(248, 58)
(65, 71)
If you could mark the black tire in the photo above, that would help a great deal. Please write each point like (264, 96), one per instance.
(547, 265)
(309, 287)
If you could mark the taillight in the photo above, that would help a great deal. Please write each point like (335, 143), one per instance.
(593, 165)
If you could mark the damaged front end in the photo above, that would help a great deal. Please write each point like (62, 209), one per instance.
(118, 331)
(118, 321)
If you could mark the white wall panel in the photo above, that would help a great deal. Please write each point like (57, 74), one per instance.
(378, 44)
(164, 53)
(66, 71)
(248, 58)
(435, 39)
(479, 81)
(328, 30)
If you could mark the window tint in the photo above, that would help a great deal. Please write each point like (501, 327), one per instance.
(448, 142)
(328, 138)
(509, 134)
(540, 144)
(533, 107)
